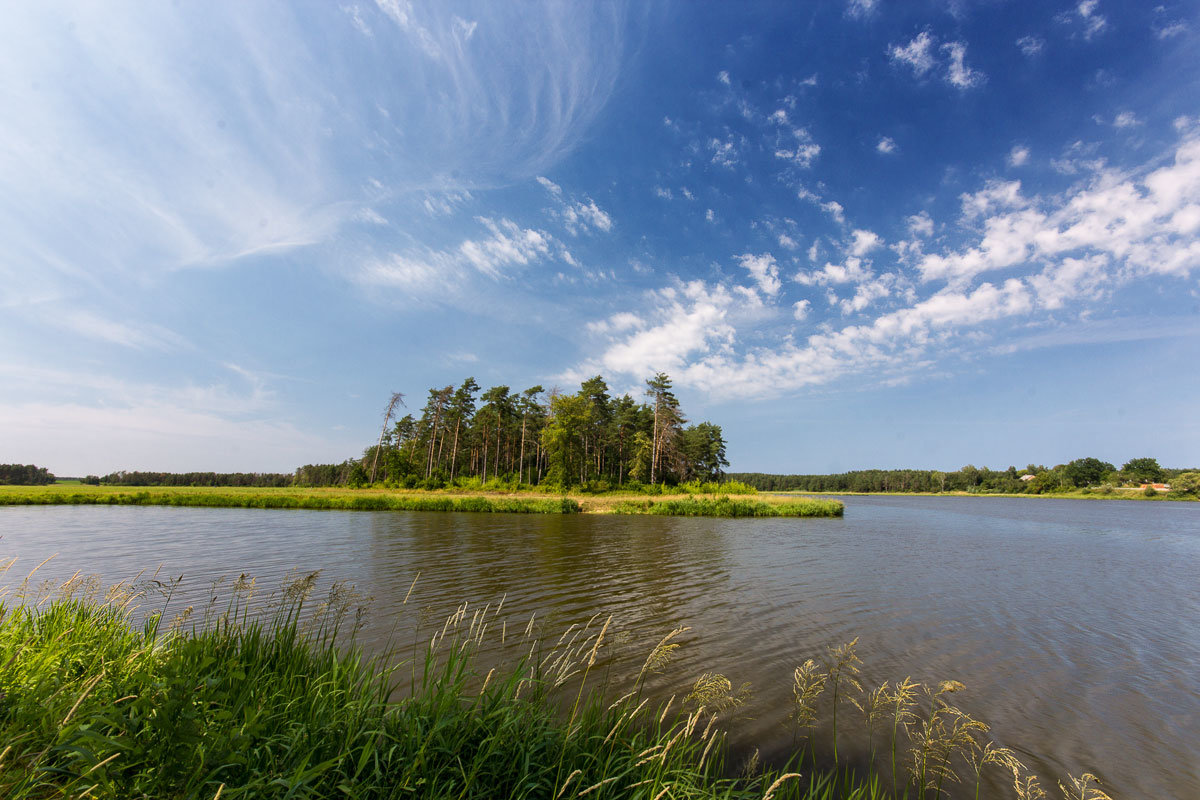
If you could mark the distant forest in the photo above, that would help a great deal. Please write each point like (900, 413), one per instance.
(24, 475)
(1082, 473)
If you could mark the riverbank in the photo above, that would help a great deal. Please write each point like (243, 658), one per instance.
(1116, 494)
(423, 500)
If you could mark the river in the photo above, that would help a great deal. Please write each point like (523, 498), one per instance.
(1075, 625)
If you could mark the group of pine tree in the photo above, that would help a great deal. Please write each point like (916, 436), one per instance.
(589, 438)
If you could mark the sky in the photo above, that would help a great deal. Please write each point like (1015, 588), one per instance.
(856, 233)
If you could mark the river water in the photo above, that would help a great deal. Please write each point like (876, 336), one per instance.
(1075, 625)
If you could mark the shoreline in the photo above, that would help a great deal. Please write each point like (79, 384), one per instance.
(1118, 494)
(331, 499)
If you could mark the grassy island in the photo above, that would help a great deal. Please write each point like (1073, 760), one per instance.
(518, 502)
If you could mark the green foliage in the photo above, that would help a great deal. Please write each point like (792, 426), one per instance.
(324, 501)
(729, 507)
(1142, 470)
(1186, 484)
(1087, 471)
(25, 475)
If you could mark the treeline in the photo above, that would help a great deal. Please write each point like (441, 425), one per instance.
(25, 475)
(1082, 473)
(257, 479)
(587, 438)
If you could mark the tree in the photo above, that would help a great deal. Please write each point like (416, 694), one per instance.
(564, 437)
(529, 406)
(397, 399)
(1087, 471)
(1186, 483)
(704, 452)
(495, 413)
(1142, 470)
(668, 422)
(462, 407)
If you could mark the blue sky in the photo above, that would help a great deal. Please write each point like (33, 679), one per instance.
(856, 234)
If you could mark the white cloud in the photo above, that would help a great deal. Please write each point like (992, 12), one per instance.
(710, 216)
(917, 54)
(1018, 156)
(834, 209)
(550, 186)
(187, 139)
(957, 72)
(1078, 246)
(802, 151)
(696, 341)
(863, 242)
(920, 55)
(445, 203)
(1142, 226)
(723, 77)
(920, 224)
(663, 192)
(724, 153)
(371, 216)
(690, 318)
(865, 294)
(618, 323)
(853, 270)
(439, 272)
(1171, 29)
(1031, 45)
(509, 245)
(861, 8)
(1086, 17)
(1125, 119)
(763, 270)
(93, 327)
(579, 216)
(787, 241)
(995, 194)
(886, 145)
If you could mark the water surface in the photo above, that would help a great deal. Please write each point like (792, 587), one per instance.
(1074, 624)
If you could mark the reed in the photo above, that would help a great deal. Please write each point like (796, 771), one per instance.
(281, 702)
(272, 697)
(729, 508)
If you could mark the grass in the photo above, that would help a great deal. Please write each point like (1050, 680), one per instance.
(94, 706)
(730, 507)
(1120, 493)
(275, 700)
(683, 504)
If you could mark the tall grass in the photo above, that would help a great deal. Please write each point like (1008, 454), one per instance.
(275, 699)
(344, 501)
(730, 507)
(288, 706)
